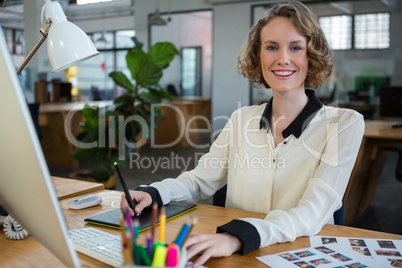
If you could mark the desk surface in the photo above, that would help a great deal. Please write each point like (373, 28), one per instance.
(66, 188)
(379, 129)
(30, 253)
(55, 107)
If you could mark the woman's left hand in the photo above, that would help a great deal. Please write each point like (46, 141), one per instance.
(211, 245)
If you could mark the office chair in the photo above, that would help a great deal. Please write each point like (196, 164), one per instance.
(172, 90)
(95, 93)
(219, 199)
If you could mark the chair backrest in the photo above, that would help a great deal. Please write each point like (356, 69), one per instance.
(95, 93)
(172, 90)
(219, 199)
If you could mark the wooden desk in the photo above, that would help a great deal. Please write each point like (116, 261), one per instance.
(67, 188)
(30, 253)
(379, 137)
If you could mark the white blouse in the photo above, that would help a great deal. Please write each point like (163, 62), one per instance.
(298, 184)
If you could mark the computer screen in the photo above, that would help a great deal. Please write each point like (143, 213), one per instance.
(391, 101)
(26, 188)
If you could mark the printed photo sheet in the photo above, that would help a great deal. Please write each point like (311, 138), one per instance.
(320, 256)
(383, 252)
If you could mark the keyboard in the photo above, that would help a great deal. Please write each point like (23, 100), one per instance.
(102, 246)
(98, 244)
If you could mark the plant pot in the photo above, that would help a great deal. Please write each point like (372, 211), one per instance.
(86, 175)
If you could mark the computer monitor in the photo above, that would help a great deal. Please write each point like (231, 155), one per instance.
(26, 189)
(391, 101)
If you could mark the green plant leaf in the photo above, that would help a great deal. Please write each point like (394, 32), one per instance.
(89, 136)
(91, 115)
(162, 54)
(121, 80)
(83, 154)
(113, 113)
(135, 62)
(148, 75)
(102, 166)
(150, 98)
(137, 44)
(124, 99)
(101, 172)
(160, 92)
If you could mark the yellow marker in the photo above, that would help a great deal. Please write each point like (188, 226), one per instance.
(159, 257)
(162, 224)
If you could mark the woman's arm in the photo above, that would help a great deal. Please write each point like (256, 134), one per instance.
(323, 195)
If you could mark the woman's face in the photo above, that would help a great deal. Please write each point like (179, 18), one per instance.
(283, 55)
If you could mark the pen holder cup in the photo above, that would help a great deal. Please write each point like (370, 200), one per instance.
(181, 264)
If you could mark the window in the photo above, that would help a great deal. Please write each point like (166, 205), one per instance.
(94, 73)
(337, 30)
(369, 31)
(15, 41)
(372, 31)
(191, 71)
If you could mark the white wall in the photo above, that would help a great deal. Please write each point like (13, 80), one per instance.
(229, 89)
(187, 30)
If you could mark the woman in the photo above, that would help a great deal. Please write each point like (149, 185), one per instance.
(290, 158)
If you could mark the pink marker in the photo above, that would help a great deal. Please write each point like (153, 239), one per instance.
(172, 256)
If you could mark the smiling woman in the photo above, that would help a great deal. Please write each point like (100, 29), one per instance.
(290, 158)
(317, 48)
(283, 55)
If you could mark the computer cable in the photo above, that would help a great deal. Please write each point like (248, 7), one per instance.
(13, 229)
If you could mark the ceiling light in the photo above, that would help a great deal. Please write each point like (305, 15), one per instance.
(156, 19)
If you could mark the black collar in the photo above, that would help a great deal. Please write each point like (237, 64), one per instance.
(302, 120)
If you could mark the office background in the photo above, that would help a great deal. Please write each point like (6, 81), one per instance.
(212, 32)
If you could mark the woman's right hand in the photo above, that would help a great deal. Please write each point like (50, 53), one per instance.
(141, 201)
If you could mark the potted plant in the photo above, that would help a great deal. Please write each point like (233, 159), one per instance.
(138, 100)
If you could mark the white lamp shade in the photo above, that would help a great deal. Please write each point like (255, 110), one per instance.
(67, 44)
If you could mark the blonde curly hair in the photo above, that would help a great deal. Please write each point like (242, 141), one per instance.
(318, 52)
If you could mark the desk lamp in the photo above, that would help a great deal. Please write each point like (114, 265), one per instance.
(67, 44)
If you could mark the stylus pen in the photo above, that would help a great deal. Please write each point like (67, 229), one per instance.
(126, 193)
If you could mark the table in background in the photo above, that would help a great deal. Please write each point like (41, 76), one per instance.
(181, 115)
(178, 114)
(52, 117)
(379, 137)
(30, 253)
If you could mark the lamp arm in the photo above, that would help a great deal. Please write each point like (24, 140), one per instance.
(44, 31)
